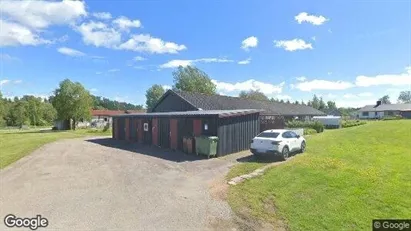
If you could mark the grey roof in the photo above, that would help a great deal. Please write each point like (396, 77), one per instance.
(387, 107)
(219, 113)
(219, 102)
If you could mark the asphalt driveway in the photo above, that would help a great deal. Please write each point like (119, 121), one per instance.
(102, 184)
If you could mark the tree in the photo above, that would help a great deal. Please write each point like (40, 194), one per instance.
(315, 103)
(404, 97)
(2, 111)
(385, 99)
(322, 106)
(72, 102)
(153, 94)
(331, 105)
(254, 95)
(296, 102)
(302, 102)
(192, 79)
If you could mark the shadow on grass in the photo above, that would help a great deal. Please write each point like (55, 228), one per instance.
(32, 131)
(259, 159)
(141, 149)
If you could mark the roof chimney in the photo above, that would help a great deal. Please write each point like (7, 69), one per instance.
(378, 103)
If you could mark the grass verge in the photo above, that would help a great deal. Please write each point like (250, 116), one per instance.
(15, 144)
(346, 178)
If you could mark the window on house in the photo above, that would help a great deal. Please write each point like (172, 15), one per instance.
(365, 113)
(390, 113)
(105, 119)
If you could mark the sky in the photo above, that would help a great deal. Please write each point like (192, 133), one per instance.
(350, 52)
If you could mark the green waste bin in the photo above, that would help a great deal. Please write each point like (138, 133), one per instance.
(206, 145)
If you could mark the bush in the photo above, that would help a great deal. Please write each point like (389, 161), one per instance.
(309, 131)
(396, 117)
(352, 123)
(316, 125)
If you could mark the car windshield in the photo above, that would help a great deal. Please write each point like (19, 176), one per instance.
(269, 134)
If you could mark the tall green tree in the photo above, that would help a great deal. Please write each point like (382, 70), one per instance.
(331, 105)
(404, 97)
(322, 106)
(254, 95)
(72, 102)
(192, 79)
(153, 94)
(385, 99)
(2, 111)
(315, 103)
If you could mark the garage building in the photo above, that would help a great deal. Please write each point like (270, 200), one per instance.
(234, 128)
(273, 115)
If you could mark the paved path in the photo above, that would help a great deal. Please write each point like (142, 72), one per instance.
(102, 184)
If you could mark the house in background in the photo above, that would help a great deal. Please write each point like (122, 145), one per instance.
(99, 119)
(273, 115)
(381, 110)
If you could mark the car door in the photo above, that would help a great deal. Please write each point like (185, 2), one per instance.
(294, 141)
(288, 140)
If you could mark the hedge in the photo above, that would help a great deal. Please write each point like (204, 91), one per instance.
(316, 125)
(397, 117)
(352, 123)
(309, 131)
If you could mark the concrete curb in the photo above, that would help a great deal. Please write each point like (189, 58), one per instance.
(255, 173)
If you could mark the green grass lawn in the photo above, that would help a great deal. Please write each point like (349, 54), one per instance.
(346, 178)
(15, 144)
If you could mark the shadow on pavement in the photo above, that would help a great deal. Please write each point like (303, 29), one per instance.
(141, 149)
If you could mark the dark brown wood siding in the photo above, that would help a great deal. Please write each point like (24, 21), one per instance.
(173, 103)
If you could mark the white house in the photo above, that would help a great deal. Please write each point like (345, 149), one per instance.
(380, 110)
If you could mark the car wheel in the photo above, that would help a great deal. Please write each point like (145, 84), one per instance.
(285, 153)
(302, 148)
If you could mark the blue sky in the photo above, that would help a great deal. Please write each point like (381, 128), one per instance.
(352, 52)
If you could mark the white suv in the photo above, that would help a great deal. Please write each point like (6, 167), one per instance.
(277, 142)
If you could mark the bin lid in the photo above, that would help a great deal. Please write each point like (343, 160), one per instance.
(213, 138)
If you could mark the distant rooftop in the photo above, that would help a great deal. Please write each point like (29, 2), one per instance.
(387, 107)
(219, 113)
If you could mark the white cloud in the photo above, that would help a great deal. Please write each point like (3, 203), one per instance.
(313, 38)
(317, 84)
(123, 23)
(17, 81)
(93, 90)
(13, 34)
(102, 15)
(329, 73)
(7, 57)
(42, 14)
(330, 31)
(385, 79)
(139, 58)
(244, 62)
(251, 84)
(70, 52)
(283, 97)
(181, 62)
(293, 45)
(349, 96)
(114, 70)
(4, 82)
(249, 42)
(365, 94)
(315, 20)
(99, 34)
(302, 78)
(146, 43)
(99, 72)
(166, 87)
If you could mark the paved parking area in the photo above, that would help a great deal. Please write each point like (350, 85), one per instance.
(103, 184)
